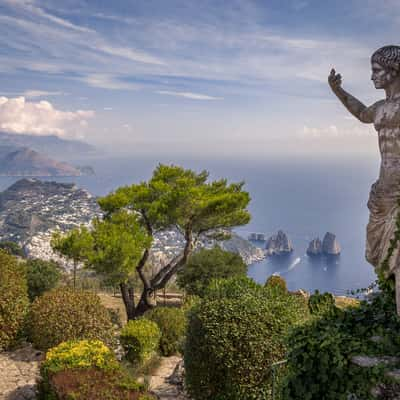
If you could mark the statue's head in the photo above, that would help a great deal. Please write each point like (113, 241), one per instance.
(385, 64)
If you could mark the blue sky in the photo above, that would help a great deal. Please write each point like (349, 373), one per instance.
(240, 77)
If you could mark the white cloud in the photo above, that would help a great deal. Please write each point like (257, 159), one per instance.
(40, 93)
(108, 81)
(30, 7)
(40, 118)
(128, 53)
(333, 131)
(189, 95)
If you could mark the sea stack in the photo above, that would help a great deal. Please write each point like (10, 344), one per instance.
(330, 246)
(278, 245)
(315, 247)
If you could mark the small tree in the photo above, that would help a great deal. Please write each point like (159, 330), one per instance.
(180, 198)
(208, 264)
(73, 245)
(118, 243)
(42, 276)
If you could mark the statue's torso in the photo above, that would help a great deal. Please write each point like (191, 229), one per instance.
(387, 123)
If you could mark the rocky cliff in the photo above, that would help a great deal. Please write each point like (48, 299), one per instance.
(330, 245)
(278, 244)
(315, 247)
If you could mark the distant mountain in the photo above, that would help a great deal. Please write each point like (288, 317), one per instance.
(28, 162)
(51, 145)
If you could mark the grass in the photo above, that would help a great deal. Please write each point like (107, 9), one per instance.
(344, 302)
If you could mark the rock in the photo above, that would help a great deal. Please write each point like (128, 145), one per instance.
(330, 245)
(315, 247)
(278, 244)
(178, 375)
(369, 362)
(395, 374)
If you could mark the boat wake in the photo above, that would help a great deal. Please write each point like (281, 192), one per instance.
(294, 263)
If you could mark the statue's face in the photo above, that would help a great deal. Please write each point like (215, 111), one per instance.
(382, 77)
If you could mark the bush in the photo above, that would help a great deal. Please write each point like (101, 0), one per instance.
(64, 314)
(140, 339)
(42, 276)
(206, 265)
(277, 282)
(320, 304)
(12, 248)
(80, 354)
(172, 324)
(13, 298)
(85, 370)
(234, 335)
(319, 357)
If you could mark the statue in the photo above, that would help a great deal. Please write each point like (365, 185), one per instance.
(385, 192)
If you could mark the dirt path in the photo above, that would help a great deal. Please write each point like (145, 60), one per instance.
(19, 370)
(161, 384)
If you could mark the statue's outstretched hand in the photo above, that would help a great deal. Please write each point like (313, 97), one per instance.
(334, 80)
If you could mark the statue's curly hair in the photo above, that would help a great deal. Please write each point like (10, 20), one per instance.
(388, 57)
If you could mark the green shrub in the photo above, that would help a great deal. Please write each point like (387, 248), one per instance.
(277, 282)
(172, 324)
(64, 314)
(234, 335)
(206, 265)
(320, 304)
(12, 248)
(319, 357)
(80, 354)
(140, 339)
(13, 298)
(85, 370)
(42, 276)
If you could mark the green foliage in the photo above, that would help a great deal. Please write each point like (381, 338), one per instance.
(182, 197)
(118, 244)
(80, 354)
(234, 335)
(74, 245)
(12, 248)
(140, 339)
(42, 276)
(64, 314)
(13, 298)
(83, 370)
(319, 358)
(277, 281)
(172, 324)
(320, 304)
(206, 265)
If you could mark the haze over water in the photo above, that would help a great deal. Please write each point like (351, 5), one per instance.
(304, 198)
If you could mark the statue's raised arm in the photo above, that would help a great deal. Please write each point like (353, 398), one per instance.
(355, 107)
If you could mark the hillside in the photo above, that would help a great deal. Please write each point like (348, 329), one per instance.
(50, 145)
(27, 162)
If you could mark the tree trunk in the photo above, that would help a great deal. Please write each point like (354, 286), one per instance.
(160, 280)
(128, 299)
(146, 303)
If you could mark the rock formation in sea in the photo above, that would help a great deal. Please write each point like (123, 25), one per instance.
(330, 245)
(315, 247)
(278, 244)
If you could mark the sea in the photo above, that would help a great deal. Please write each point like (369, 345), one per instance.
(304, 197)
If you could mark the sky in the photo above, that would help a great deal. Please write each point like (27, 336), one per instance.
(239, 78)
